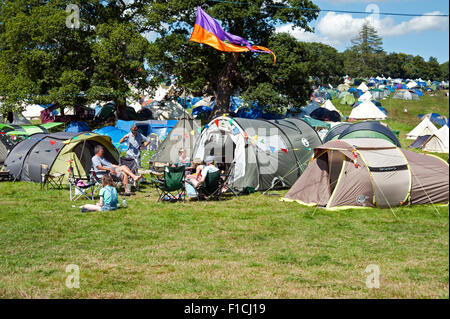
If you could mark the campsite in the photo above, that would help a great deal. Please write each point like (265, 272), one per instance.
(278, 175)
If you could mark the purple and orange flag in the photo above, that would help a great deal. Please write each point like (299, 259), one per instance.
(208, 31)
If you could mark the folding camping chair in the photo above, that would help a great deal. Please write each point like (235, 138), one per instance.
(227, 185)
(49, 180)
(80, 187)
(172, 187)
(213, 186)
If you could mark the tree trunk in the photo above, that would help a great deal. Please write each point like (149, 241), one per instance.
(228, 79)
(121, 111)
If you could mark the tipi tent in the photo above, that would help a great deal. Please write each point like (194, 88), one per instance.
(367, 111)
(56, 150)
(264, 153)
(183, 135)
(363, 87)
(365, 97)
(363, 173)
(426, 127)
(329, 106)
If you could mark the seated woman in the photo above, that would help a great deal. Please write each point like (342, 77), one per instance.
(197, 167)
(182, 160)
(194, 179)
(108, 197)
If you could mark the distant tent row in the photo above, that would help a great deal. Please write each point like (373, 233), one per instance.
(359, 173)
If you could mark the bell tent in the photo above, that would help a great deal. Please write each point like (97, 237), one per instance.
(426, 127)
(367, 111)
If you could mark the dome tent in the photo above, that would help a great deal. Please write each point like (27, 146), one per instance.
(369, 129)
(265, 153)
(56, 150)
(336, 131)
(361, 173)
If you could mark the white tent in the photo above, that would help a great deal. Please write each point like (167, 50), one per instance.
(367, 111)
(438, 143)
(411, 85)
(365, 97)
(329, 106)
(426, 127)
(206, 101)
(363, 87)
(32, 111)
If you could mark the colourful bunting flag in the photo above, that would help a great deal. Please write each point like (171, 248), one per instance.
(199, 129)
(52, 142)
(284, 150)
(192, 132)
(272, 149)
(217, 122)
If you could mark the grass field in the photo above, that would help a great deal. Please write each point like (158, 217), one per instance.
(250, 247)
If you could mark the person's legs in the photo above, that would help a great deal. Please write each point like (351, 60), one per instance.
(92, 208)
(124, 169)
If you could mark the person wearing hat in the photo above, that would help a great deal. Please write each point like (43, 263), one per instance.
(209, 167)
(136, 140)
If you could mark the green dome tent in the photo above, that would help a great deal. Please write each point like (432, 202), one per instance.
(348, 100)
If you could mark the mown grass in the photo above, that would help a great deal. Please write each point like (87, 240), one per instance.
(249, 247)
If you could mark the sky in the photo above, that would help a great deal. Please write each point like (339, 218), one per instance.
(424, 36)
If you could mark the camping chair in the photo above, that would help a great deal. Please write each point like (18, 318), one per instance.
(172, 186)
(78, 188)
(50, 181)
(6, 176)
(212, 187)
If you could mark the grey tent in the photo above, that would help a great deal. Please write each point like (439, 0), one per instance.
(183, 135)
(57, 150)
(266, 154)
(360, 173)
(18, 119)
(5, 146)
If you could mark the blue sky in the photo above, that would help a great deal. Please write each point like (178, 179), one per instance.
(425, 36)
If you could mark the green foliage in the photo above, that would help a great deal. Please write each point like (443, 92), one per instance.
(199, 68)
(44, 61)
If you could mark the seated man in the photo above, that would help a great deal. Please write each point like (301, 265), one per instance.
(99, 163)
(209, 167)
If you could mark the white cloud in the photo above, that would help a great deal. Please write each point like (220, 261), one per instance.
(338, 29)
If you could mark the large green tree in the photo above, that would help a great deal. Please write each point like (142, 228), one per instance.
(45, 57)
(200, 68)
(365, 55)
